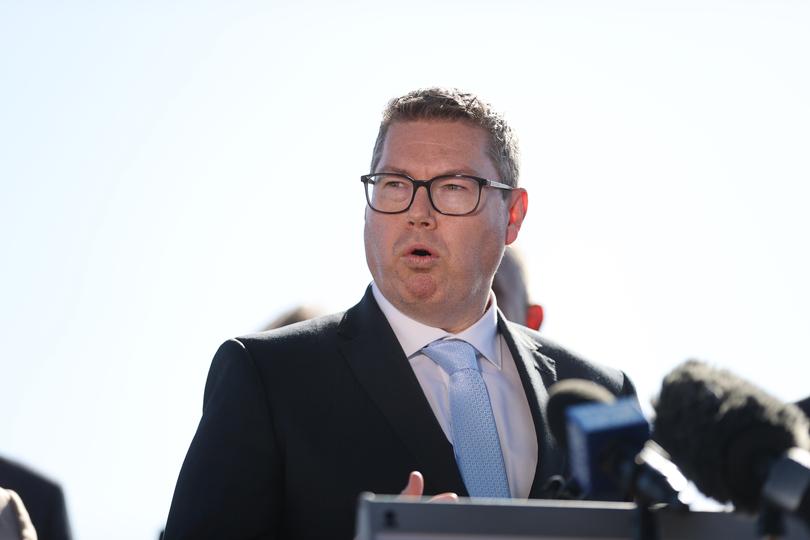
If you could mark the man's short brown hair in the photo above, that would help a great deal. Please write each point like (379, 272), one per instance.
(453, 104)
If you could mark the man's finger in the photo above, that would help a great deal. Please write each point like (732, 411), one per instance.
(444, 497)
(416, 485)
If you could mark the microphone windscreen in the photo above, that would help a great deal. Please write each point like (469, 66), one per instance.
(567, 393)
(724, 432)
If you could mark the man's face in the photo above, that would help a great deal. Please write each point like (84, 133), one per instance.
(434, 268)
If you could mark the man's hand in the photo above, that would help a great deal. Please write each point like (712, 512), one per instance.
(416, 486)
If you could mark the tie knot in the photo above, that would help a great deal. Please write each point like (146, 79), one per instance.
(452, 355)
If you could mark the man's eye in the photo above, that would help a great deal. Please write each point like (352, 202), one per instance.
(392, 184)
(454, 187)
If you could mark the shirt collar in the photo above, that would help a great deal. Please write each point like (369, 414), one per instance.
(413, 335)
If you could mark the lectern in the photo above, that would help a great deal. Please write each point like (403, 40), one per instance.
(387, 518)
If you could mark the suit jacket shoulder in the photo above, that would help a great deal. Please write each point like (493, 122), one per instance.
(309, 335)
(566, 364)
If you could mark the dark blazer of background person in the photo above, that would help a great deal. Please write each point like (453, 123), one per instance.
(42, 498)
(297, 422)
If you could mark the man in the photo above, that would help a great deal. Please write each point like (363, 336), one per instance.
(298, 421)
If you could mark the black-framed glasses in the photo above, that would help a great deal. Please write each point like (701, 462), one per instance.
(450, 194)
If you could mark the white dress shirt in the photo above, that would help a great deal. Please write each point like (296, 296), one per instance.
(510, 407)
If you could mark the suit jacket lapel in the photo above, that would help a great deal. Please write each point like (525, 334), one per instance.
(537, 372)
(372, 351)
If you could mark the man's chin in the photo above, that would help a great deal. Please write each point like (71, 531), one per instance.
(421, 288)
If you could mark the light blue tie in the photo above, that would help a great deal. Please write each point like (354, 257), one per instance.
(475, 437)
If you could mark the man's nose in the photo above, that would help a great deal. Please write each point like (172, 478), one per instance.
(421, 213)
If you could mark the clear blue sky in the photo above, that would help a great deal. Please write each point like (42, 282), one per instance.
(174, 174)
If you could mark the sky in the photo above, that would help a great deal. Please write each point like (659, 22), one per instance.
(176, 174)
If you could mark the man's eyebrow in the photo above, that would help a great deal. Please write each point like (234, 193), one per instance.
(448, 172)
(392, 170)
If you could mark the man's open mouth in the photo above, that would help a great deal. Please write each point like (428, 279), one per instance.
(420, 256)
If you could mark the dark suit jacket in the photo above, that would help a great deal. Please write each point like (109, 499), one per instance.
(42, 498)
(297, 422)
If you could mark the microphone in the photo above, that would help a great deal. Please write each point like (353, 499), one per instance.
(607, 441)
(734, 441)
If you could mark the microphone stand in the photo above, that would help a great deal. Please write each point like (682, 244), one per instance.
(645, 523)
(770, 523)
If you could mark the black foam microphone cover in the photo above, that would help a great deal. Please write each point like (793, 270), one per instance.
(723, 432)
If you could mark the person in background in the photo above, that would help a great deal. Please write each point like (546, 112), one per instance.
(512, 291)
(298, 421)
(294, 315)
(42, 497)
(15, 524)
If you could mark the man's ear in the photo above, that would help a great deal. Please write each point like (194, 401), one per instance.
(518, 204)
